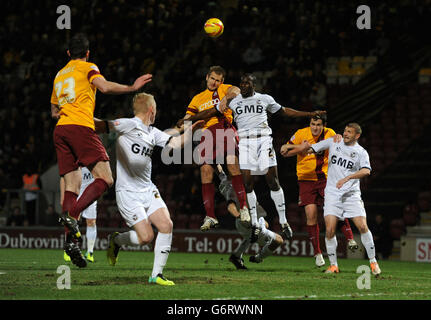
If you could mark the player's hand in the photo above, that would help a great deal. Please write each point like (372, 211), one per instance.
(55, 115)
(338, 138)
(284, 150)
(180, 123)
(222, 106)
(304, 146)
(341, 182)
(141, 81)
(198, 125)
(318, 112)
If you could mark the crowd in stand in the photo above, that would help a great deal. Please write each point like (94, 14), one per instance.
(128, 38)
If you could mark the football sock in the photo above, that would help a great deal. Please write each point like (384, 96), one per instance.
(238, 186)
(331, 249)
(265, 251)
(242, 248)
(252, 200)
(278, 198)
(90, 194)
(208, 194)
(347, 231)
(313, 235)
(69, 200)
(268, 233)
(368, 242)
(91, 235)
(127, 238)
(161, 252)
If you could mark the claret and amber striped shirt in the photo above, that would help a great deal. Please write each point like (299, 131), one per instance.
(311, 167)
(75, 94)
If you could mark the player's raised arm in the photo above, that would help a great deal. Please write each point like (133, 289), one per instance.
(231, 93)
(203, 115)
(109, 87)
(290, 150)
(179, 141)
(297, 114)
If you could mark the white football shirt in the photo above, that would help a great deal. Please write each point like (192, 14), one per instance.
(251, 114)
(343, 161)
(135, 146)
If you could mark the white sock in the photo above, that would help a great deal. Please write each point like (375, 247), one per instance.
(91, 235)
(161, 252)
(268, 233)
(127, 238)
(242, 247)
(331, 249)
(278, 198)
(368, 242)
(252, 200)
(265, 251)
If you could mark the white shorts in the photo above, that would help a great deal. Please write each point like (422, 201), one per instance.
(256, 154)
(137, 206)
(349, 205)
(90, 212)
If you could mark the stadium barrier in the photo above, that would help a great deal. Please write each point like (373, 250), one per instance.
(191, 241)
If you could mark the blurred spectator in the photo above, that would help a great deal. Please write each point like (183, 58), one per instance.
(253, 56)
(50, 218)
(318, 94)
(382, 238)
(16, 218)
(31, 184)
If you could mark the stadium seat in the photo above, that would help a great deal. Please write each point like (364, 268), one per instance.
(397, 228)
(195, 221)
(410, 215)
(358, 61)
(181, 221)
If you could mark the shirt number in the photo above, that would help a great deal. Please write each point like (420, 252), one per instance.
(65, 91)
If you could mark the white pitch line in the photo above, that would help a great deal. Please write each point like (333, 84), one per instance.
(351, 295)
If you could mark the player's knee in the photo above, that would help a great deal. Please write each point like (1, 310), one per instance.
(166, 227)
(248, 187)
(273, 184)
(363, 228)
(233, 169)
(206, 173)
(330, 233)
(91, 222)
(146, 238)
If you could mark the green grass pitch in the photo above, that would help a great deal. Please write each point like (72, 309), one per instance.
(32, 274)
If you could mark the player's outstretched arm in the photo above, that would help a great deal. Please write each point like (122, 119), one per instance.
(231, 93)
(180, 141)
(290, 150)
(109, 87)
(297, 114)
(203, 115)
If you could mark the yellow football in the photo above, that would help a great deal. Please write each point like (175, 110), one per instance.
(214, 27)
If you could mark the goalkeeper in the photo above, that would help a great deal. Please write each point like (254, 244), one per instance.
(268, 240)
